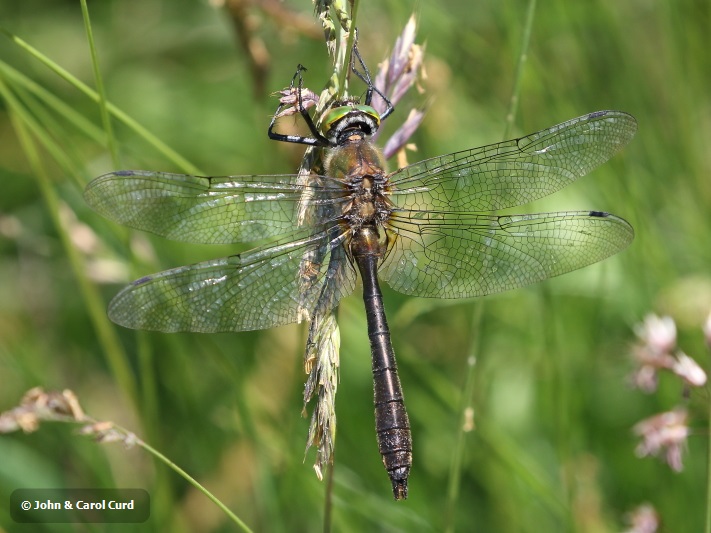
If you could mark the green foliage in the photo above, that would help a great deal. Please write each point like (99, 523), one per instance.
(552, 448)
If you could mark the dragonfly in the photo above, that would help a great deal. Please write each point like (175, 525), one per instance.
(431, 229)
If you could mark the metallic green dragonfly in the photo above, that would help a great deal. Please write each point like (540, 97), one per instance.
(427, 230)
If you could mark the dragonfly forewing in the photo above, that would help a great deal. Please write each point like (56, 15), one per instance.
(454, 255)
(209, 210)
(514, 172)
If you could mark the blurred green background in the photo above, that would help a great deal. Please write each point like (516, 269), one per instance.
(552, 449)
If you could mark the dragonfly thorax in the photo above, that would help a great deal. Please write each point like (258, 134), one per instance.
(359, 165)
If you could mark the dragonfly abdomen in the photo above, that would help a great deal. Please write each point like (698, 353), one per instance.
(391, 421)
(392, 427)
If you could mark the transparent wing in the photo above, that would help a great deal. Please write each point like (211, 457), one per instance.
(451, 255)
(210, 210)
(263, 288)
(513, 172)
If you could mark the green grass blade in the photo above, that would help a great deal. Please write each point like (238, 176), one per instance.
(179, 161)
(108, 339)
(66, 112)
(31, 113)
(103, 104)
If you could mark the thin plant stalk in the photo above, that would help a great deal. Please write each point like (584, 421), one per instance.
(328, 498)
(345, 67)
(474, 347)
(466, 421)
(40, 406)
(542, 290)
(144, 351)
(514, 458)
(195, 484)
(323, 344)
(103, 104)
(522, 58)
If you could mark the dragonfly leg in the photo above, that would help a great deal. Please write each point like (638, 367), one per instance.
(365, 77)
(317, 139)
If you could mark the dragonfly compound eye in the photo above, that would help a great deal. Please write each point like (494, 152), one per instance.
(361, 117)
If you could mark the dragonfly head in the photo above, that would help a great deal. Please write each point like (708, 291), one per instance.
(345, 122)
